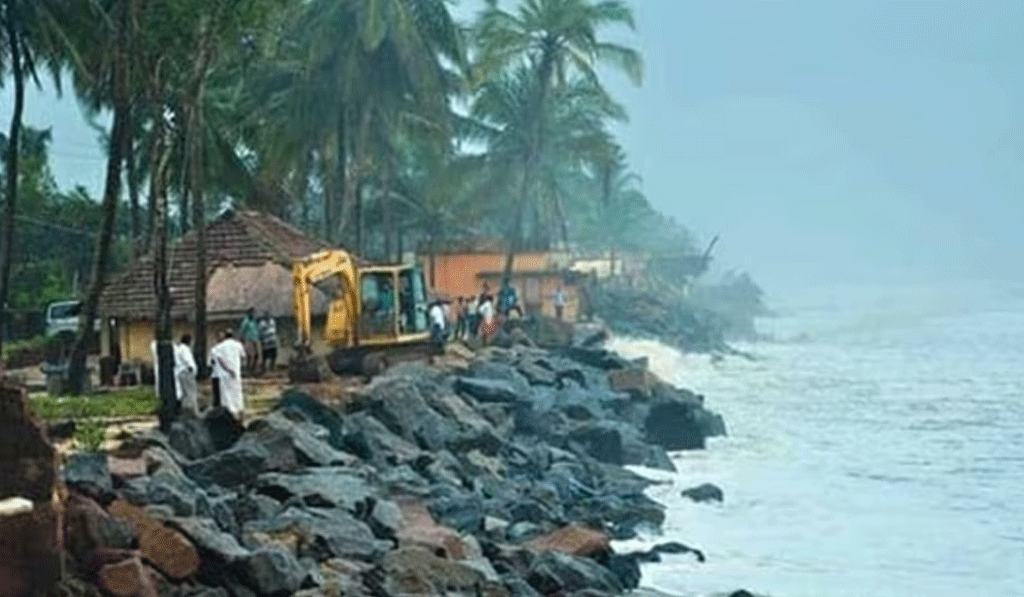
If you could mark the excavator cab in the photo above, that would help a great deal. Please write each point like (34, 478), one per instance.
(393, 305)
(376, 315)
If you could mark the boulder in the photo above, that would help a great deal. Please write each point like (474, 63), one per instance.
(271, 571)
(417, 571)
(122, 469)
(462, 512)
(489, 390)
(636, 381)
(175, 490)
(126, 579)
(88, 527)
(419, 529)
(327, 487)
(705, 492)
(674, 425)
(385, 519)
(191, 438)
(574, 540)
(398, 404)
(222, 427)
(167, 549)
(559, 573)
(317, 413)
(88, 474)
(626, 568)
(316, 533)
(307, 442)
(215, 546)
(253, 506)
(241, 464)
(371, 441)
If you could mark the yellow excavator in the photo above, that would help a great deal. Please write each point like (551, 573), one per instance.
(377, 315)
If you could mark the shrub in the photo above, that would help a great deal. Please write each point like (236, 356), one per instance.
(132, 402)
(33, 351)
(90, 434)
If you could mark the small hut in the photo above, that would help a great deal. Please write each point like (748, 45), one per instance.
(249, 264)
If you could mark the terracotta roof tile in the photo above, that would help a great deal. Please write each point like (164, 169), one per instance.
(237, 238)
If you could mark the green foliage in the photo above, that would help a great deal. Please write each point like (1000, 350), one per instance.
(32, 351)
(130, 402)
(90, 435)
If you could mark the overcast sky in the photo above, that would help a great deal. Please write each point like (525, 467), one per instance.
(824, 141)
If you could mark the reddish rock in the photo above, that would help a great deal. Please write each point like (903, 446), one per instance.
(103, 556)
(126, 579)
(167, 549)
(574, 540)
(126, 468)
(419, 529)
(635, 381)
(88, 527)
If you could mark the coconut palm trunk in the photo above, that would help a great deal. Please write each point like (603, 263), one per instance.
(77, 370)
(196, 148)
(164, 341)
(13, 147)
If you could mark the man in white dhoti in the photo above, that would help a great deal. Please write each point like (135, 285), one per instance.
(185, 376)
(226, 359)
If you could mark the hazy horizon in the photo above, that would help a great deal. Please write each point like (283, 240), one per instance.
(825, 143)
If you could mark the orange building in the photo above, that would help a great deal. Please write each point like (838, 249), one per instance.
(537, 276)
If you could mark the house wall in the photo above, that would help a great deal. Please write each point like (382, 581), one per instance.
(537, 292)
(458, 274)
(135, 337)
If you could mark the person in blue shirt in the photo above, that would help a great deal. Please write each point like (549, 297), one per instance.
(508, 299)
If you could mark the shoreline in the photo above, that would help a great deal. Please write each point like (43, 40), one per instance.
(503, 474)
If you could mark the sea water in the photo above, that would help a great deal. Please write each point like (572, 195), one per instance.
(875, 448)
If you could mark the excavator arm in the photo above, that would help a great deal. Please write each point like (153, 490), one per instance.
(340, 330)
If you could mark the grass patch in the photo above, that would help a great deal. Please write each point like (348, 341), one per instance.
(133, 402)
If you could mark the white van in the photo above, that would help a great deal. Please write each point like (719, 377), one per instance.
(62, 318)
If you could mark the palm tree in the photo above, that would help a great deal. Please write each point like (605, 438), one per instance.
(111, 83)
(554, 39)
(574, 127)
(29, 33)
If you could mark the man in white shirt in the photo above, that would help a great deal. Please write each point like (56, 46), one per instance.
(185, 376)
(226, 359)
(438, 320)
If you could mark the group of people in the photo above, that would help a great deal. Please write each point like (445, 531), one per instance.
(480, 316)
(229, 358)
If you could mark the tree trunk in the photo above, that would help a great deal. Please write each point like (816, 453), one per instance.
(196, 171)
(164, 341)
(132, 177)
(13, 147)
(358, 216)
(112, 192)
(389, 217)
(77, 370)
(533, 153)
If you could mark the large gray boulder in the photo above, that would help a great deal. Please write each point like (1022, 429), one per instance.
(559, 573)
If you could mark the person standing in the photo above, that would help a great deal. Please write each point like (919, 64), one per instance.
(472, 316)
(268, 341)
(488, 322)
(250, 332)
(437, 324)
(508, 299)
(185, 370)
(560, 303)
(226, 359)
